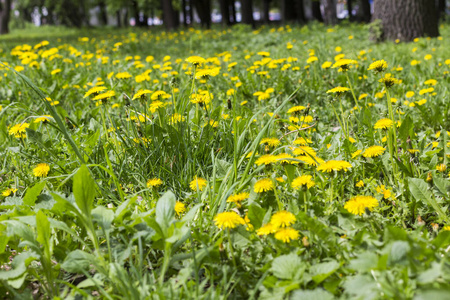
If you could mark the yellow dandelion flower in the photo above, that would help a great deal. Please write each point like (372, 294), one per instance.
(383, 124)
(388, 80)
(198, 183)
(154, 182)
(326, 65)
(180, 208)
(373, 151)
(43, 119)
(287, 235)
(356, 153)
(378, 66)
(263, 185)
(334, 165)
(296, 109)
(387, 193)
(103, 96)
(266, 159)
(441, 167)
(310, 160)
(304, 150)
(338, 90)
(19, 130)
(123, 75)
(8, 192)
(430, 82)
(303, 181)
(227, 220)
(266, 229)
(272, 142)
(41, 170)
(409, 94)
(344, 64)
(360, 184)
(238, 198)
(358, 204)
(302, 141)
(282, 219)
(196, 60)
(141, 93)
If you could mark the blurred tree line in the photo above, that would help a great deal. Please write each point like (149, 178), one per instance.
(176, 13)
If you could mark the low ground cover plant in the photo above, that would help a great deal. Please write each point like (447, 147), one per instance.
(302, 163)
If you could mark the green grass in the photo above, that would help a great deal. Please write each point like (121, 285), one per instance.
(90, 225)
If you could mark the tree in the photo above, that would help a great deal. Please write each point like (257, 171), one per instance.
(5, 14)
(406, 19)
(203, 8)
(287, 11)
(315, 7)
(441, 6)
(247, 12)
(300, 9)
(225, 11)
(170, 15)
(265, 11)
(364, 12)
(329, 11)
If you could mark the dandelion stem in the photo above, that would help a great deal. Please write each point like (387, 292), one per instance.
(353, 92)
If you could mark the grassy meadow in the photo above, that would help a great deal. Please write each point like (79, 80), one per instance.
(282, 163)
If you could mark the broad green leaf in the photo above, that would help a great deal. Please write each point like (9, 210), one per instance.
(78, 261)
(399, 251)
(256, 214)
(19, 265)
(317, 294)
(364, 262)
(442, 185)
(322, 271)
(165, 209)
(84, 190)
(288, 267)
(360, 287)
(103, 217)
(34, 136)
(406, 128)
(442, 239)
(290, 172)
(32, 194)
(419, 190)
(43, 230)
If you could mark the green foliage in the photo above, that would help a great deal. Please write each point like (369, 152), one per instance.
(142, 197)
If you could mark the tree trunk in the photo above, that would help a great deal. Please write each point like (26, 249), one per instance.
(233, 11)
(191, 12)
(317, 14)
(300, 9)
(103, 13)
(441, 6)
(225, 11)
(287, 11)
(203, 8)
(329, 9)
(406, 19)
(126, 21)
(5, 14)
(265, 11)
(118, 18)
(184, 12)
(170, 17)
(247, 12)
(350, 9)
(365, 15)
